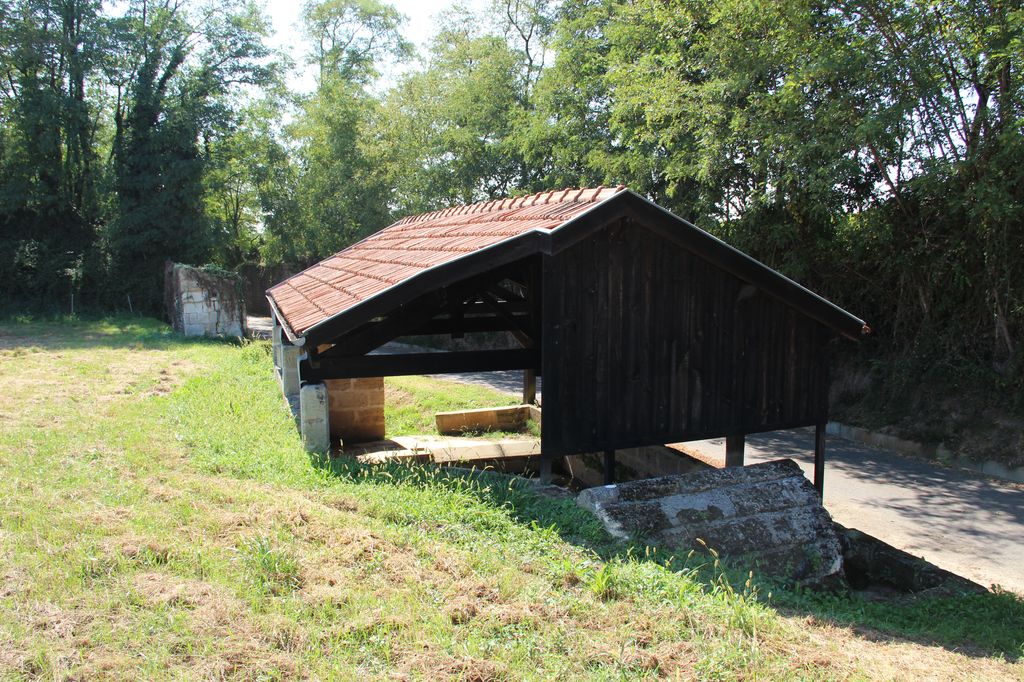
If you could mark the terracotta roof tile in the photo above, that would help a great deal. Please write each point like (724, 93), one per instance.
(415, 244)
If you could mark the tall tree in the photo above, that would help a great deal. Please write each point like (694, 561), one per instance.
(177, 67)
(455, 131)
(338, 194)
(351, 37)
(48, 162)
(459, 115)
(882, 136)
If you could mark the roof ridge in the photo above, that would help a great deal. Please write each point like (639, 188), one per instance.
(555, 196)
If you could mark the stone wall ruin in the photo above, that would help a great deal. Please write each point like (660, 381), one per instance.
(203, 302)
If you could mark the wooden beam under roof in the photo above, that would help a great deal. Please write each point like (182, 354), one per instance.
(404, 364)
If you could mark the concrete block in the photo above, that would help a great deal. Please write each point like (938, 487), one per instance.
(485, 419)
(290, 369)
(313, 418)
(275, 339)
(766, 516)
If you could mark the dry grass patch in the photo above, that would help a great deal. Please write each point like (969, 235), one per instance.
(103, 377)
(853, 654)
(437, 665)
(237, 645)
(160, 589)
(65, 624)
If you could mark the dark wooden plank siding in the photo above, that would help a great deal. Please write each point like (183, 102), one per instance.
(646, 343)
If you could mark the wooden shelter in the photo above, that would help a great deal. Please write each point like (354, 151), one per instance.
(646, 329)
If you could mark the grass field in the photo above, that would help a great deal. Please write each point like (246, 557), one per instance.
(159, 519)
(412, 403)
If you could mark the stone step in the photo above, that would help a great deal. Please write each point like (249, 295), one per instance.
(766, 517)
(441, 450)
(512, 418)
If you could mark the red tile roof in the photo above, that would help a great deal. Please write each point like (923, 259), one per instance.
(416, 244)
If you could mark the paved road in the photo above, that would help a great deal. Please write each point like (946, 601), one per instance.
(965, 523)
(259, 327)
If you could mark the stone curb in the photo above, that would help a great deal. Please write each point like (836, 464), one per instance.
(938, 452)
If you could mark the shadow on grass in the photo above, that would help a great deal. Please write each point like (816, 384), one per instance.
(516, 494)
(76, 333)
(977, 625)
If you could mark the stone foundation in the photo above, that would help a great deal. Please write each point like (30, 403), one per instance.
(356, 408)
(484, 419)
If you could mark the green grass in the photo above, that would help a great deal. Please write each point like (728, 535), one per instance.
(159, 519)
(413, 401)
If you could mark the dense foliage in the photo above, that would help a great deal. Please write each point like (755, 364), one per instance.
(107, 129)
(872, 150)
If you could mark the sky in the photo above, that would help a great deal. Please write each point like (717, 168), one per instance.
(287, 35)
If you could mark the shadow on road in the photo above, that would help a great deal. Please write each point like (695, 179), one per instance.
(948, 505)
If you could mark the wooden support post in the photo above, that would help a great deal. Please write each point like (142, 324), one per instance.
(819, 460)
(545, 467)
(734, 450)
(609, 467)
(529, 386)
